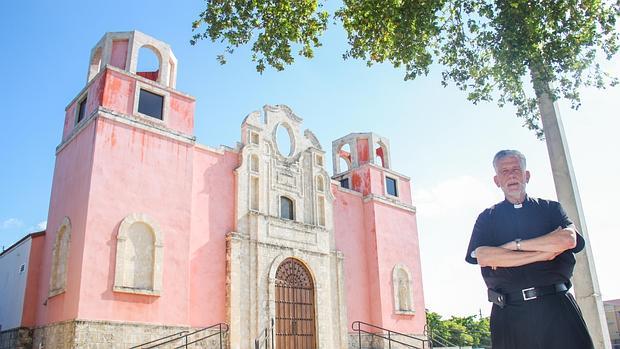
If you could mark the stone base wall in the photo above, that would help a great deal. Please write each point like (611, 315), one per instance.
(115, 335)
(354, 341)
(16, 338)
(375, 342)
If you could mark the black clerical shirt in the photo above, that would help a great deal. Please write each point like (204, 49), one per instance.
(506, 222)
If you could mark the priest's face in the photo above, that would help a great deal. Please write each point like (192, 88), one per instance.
(511, 178)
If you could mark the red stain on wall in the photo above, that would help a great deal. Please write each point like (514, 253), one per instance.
(360, 182)
(143, 147)
(151, 75)
(379, 153)
(113, 87)
(362, 151)
(182, 113)
(113, 137)
(345, 155)
(119, 53)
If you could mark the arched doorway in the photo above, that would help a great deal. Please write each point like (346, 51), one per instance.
(295, 320)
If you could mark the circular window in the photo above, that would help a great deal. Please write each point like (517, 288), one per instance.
(284, 140)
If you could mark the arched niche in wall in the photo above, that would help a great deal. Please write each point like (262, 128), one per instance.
(139, 256)
(60, 258)
(402, 284)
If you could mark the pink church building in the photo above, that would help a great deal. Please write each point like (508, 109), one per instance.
(150, 233)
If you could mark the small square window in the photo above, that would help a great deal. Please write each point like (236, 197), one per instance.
(344, 183)
(287, 210)
(81, 110)
(254, 138)
(390, 184)
(151, 104)
(319, 160)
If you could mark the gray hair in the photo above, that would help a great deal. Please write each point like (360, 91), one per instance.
(506, 153)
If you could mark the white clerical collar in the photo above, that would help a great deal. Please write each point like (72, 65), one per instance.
(519, 205)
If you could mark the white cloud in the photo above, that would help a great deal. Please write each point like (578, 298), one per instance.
(446, 213)
(11, 223)
(454, 195)
(42, 225)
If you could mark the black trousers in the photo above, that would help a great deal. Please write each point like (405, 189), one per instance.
(550, 322)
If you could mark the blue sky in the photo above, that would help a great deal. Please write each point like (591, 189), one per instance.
(444, 143)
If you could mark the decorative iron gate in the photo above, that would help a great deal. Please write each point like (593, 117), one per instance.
(295, 321)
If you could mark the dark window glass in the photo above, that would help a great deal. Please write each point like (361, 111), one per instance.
(81, 110)
(286, 208)
(151, 104)
(344, 183)
(391, 186)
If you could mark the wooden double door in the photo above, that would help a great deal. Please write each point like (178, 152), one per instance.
(295, 315)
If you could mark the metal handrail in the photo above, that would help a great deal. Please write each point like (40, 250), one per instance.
(220, 332)
(223, 328)
(266, 334)
(180, 334)
(389, 335)
(444, 342)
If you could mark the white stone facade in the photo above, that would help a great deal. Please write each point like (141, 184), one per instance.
(263, 239)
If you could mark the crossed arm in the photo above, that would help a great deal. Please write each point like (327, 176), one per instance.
(542, 248)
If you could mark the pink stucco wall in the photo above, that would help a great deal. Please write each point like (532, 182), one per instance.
(32, 283)
(361, 181)
(397, 243)
(371, 179)
(136, 171)
(94, 91)
(374, 284)
(375, 183)
(181, 113)
(119, 94)
(362, 151)
(213, 207)
(374, 237)
(119, 53)
(132, 170)
(351, 240)
(69, 198)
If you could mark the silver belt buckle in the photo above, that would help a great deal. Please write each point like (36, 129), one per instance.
(526, 298)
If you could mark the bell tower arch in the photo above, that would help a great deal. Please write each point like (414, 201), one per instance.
(122, 50)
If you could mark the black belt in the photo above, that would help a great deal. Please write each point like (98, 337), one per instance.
(526, 294)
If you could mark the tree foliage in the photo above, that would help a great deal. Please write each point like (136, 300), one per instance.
(486, 48)
(459, 331)
(273, 27)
